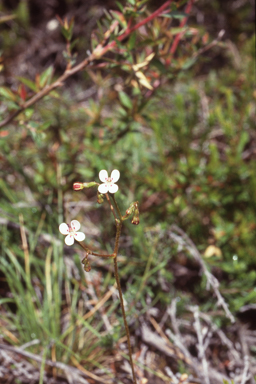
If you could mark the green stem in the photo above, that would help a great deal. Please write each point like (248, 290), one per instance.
(117, 208)
(111, 206)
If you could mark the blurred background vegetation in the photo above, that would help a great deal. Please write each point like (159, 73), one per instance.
(186, 153)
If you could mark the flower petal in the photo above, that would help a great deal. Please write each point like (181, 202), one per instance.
(75, 225)
(103, 188)
(64, 229)
(69, 240)
(113, 188)
(115, 174)
(79, 236)
(103, 175)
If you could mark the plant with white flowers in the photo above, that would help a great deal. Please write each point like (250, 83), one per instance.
(107, 189)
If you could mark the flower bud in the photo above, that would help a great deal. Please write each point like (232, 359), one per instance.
(77, 186)
(130, 210)
(86, 263)
(100, 198)
(136, 219)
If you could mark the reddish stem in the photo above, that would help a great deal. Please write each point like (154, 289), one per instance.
(183, 22)
(145, 21)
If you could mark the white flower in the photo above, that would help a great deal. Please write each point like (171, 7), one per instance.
(108, 182)
(71, 232)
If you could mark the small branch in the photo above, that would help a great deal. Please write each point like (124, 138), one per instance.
(183, 22)
(87, 250)
(98, 52)
(209, 46)
(145, 21)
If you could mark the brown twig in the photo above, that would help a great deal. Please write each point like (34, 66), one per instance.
(181, 238)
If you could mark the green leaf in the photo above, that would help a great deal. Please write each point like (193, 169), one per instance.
(175, 15)
(22, 12)
(125, 100)
(189, 63)
(7, 300)
(132, 41)
(244, 138)
(30, 84)
(119, 17)
(7, 93)
(159, 65)
(46, 77)
(29, 112)
(65, 33)
(120, 6)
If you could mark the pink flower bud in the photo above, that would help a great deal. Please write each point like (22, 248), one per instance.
(78, 186)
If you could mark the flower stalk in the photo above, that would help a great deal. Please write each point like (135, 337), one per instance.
(107, 189)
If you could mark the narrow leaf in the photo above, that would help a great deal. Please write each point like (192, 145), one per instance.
(30, 84)
(7, 93)
(46, 76)
(125, 100)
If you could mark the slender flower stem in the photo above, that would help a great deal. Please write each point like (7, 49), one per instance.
(118, 233)
(117, 208)
(119, 223)
(111, 206)
(124, 318)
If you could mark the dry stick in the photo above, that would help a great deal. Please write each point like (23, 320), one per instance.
(183, 239)
(200, 346)
(246, 373)
(66, 368)
(96, 54)
(223, 338)
(179, 341)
